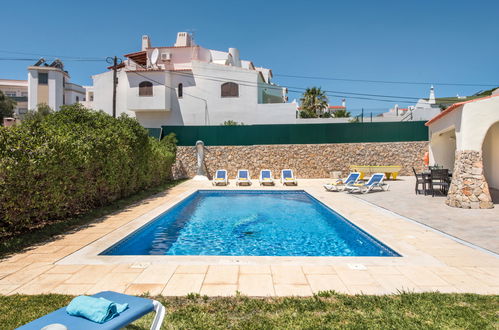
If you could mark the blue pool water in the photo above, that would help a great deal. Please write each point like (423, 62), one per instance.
(250, 223)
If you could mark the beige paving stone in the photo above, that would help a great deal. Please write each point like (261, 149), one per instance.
(327, 270)
(259, 285)
(42, 284)
(287, 290)
(483, 276)
(7, 288)
(356, 277)
(46, 249)
(321, 282)
(222, 275)
(126, 268)
(254, 269)
(9, 268)
(422, 276)
(441, 289)
(191, 269)
(183, 284)
(90, 274)
(155, 274)
(25, 274)
(151, 289)
(288, 275)
(71, 289)
(394, 283)
(219, 290)
(113, 282)
(368, 290)
(388, 270)
(64, 269)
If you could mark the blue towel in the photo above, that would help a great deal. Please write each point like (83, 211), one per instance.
(98, 310)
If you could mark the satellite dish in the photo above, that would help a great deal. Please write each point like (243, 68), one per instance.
(154, 56)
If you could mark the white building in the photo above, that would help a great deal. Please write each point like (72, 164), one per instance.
(187, 84)
(465, 139)
(425, 109)
(49, 84)
(18, 91)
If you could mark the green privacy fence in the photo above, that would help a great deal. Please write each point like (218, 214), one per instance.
(155, 132)
(299, 133)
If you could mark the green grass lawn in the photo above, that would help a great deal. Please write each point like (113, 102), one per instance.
(17, 243)
(325, 310)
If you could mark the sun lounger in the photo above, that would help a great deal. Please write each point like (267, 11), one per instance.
(288, 177)
(243, 177)
(339, 184)
(266, 177)
(220, 178)
(375, 181)
(137, 307)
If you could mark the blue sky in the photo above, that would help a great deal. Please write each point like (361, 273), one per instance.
(416, 41)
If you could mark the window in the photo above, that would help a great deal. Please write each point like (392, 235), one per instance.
(145, 88)
(180, 90)
(11, 94)
(43, 78)
(91, 96)
(77, 99)
(230, 89)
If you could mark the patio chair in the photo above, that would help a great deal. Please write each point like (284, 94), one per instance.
(375, 181)
(288, 177)
(339, 184)
(243, 176)
(220, 178)
(439, 178)
(420, 180)
(266, 177)
(137, 307)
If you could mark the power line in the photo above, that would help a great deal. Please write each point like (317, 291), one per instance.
(388, 81)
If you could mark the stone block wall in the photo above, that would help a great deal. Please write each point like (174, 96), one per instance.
(469, 189)
(307, 160)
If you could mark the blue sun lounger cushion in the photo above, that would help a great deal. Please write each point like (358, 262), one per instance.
(137, 307)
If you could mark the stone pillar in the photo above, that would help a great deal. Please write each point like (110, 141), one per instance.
(469, 189)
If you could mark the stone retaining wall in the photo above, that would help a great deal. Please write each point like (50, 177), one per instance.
(307, 160)
(469, 189)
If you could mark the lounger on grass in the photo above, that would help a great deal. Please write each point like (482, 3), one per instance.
(243, 177)
(137, 307)
(339, 184)
(220, 178)
(375, 181)
(266, 177)
(288, 177)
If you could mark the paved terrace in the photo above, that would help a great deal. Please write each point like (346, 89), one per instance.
(479, 227)
(430, 261)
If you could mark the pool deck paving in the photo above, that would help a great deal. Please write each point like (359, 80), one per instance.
(430, 261)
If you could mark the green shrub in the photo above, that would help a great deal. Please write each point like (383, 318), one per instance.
(73, 160)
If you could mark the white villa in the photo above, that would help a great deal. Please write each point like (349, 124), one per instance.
(49, 84)
(187, 84)
(465, 139)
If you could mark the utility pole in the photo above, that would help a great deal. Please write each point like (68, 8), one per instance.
(115, 63)
(362, 115)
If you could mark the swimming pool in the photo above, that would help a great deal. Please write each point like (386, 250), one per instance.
(250, 223)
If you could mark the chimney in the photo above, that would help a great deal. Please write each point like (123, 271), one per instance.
(236, 60)
(184, 39)
(343, 103)
(146, 42)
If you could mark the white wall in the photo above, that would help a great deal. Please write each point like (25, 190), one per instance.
(478, 116)
(491, 156)
(32, 89)
(443, 149)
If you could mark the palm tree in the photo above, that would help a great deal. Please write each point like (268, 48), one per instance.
(313, 103)
(342, 113)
